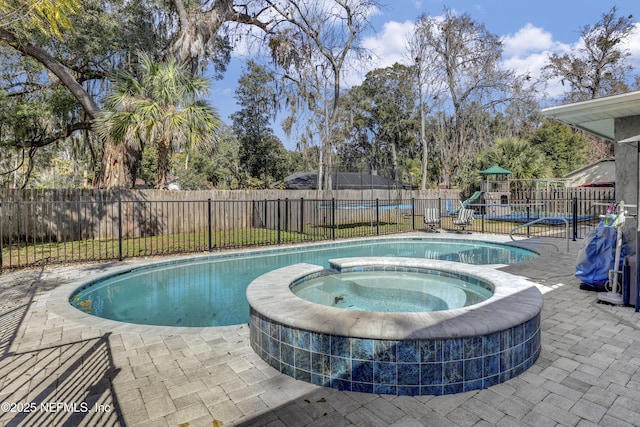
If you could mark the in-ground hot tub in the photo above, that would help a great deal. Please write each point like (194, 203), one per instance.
(400, 352)
(393, 290)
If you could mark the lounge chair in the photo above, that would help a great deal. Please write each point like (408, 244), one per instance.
(465, 219)
(431, 219)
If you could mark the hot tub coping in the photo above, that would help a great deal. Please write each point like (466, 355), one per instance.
(515, 301)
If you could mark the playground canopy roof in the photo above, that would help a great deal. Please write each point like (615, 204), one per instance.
(496, 170)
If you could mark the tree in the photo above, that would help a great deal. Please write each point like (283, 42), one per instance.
(565, 149)
(47, 16)
(105, 38)
(431, 90)
(161, 107)
(193, 31)
(599, 67)
(195, 27)
(381, 111)
(524, 160)
(77, 69)
(312, 52)
(517, 155)
(260, 149)
(226, 171)
(31, 119)
(14, 38)
(464, 65)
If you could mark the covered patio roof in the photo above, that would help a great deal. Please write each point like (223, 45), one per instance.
(597, 116)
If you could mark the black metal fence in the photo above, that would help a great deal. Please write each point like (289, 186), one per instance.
(36, 233)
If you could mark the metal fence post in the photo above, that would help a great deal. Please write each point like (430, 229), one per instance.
(278, 219)
(286, 214)
(266, 213)
(575, 218)
(119, 228)
(333, 218)
(377, 217)
(301, 226)
(209, 225)
(528, 201)
(413, 213)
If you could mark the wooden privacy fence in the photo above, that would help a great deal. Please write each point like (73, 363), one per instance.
(62, 215)
(561, 199)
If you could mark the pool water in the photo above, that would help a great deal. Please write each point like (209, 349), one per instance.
(211, 291)
(392, 291)
(360, 207)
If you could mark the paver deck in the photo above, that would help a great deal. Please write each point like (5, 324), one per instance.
(56, 370)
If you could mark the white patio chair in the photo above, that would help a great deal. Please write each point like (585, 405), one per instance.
(465, 219)
(431, 219)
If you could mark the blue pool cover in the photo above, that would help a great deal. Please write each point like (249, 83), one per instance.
(551, 219)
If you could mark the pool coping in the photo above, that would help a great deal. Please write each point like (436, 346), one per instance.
(57, 301)
(515, 300)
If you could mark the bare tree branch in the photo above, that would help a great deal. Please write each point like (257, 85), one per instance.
(53, 65)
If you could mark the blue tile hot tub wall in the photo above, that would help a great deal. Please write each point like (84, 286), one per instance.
(399, 367)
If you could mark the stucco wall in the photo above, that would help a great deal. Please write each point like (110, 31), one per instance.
(627, 171)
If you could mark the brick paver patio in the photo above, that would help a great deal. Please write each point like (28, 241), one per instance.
(56, 370)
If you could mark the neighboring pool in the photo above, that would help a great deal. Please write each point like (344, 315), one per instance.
(211, 291)
(365, 206)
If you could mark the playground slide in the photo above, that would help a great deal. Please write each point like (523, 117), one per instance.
(472, 199)
(475, 196)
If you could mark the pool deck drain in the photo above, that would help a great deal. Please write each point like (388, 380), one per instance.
(57, 368)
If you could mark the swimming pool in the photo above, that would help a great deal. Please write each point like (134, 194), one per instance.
(211, 291)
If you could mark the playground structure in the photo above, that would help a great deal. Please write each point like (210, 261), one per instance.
(502, 198)
(493, 196)
(496, 193)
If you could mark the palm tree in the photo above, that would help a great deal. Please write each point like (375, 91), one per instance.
(524, 160)
(159, 107)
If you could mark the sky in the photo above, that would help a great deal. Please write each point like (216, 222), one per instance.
(529, 30)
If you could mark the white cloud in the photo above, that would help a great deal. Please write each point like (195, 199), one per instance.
(527, 52)
(384, 49)
(633, 44)
(530, 39)
(390, 45)
(531, 64)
